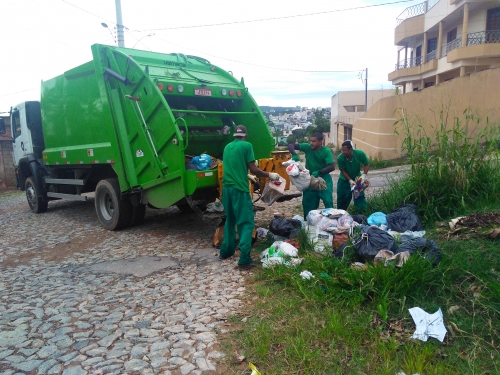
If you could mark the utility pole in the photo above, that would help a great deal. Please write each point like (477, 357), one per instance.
(119, 24)
(366, 89)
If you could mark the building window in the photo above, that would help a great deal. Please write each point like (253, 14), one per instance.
(347, 132)
(429, 84)
(360, 108)
(451, 36)
(350, 108)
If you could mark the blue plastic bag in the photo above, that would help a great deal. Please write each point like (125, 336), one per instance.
(202, 162)
(377, 218)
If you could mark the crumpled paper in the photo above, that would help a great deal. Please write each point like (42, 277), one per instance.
(428, 325)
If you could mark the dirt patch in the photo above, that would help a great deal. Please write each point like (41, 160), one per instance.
(52, 253)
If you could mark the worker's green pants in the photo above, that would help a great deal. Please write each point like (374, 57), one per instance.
(310, 198)
(344, 196)
(239, 213)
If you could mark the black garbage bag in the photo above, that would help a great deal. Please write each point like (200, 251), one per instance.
(404, 218)
(288, 228)
(428, 249)
(371, 240)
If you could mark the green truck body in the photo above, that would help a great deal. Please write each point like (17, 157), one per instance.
(133, 118)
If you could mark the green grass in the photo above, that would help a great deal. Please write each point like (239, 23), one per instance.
(348, 321)
(352, 321)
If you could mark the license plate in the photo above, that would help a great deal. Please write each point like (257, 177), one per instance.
(203, 92)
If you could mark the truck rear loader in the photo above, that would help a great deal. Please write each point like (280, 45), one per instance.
(125, 125)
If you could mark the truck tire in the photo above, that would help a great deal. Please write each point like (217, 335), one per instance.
(113, 212)
(137, 215)
(37, 205)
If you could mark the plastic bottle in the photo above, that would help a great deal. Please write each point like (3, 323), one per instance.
(271, 251)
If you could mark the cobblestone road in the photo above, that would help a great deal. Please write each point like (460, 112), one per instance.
(78, 299)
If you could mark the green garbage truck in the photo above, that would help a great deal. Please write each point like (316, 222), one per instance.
(125, 125)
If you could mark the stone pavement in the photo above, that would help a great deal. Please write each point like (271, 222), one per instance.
(78, 299)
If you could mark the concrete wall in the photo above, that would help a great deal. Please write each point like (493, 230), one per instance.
(374, 132)
(7, 172)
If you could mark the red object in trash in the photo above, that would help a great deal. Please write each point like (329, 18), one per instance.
(277, 183)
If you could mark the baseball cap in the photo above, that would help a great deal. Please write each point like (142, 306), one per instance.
(240, 131)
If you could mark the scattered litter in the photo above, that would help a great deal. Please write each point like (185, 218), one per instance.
(359, 266)
(339, 239)
(454, 222)
(299, 218)
(407, 235)
(428, 249)
(340, 225)
(371, 240)
(386, 257)
(287, 228)
(319, 238)
(254, 369)
(404, 218)
(262, 232)
(306, 275)
(215, 207)
(280, 253)
(377, 218)
(428, 325)
(402, 373)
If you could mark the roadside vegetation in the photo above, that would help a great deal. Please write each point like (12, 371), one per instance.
(351, 321)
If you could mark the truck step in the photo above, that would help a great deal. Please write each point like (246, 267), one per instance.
(67, 196)
(64, 181)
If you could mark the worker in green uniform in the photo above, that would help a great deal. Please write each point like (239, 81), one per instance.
(238, 159)
(319, 162)
(349, 162)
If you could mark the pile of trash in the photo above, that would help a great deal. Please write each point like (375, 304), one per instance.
(380, 238)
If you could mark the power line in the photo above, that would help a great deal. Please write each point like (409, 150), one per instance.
(279, 18)
(86, 11)
(265, 66)
(17, 92)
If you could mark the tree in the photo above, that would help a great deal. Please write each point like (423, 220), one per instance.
(322, 123)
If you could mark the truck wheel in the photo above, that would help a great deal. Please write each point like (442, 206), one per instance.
(113, 213)
(37, 205)
(138, 213)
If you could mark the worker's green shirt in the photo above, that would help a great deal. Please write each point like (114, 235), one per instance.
(352, 166)
(237, 155)
(316, 159)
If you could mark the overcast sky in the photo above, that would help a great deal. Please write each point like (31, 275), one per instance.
(43, 38)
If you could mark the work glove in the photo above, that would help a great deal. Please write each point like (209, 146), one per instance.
(352, 183)
(252, 178)
(315, 174)
(295, 157)
(364, 177)
(274, 176)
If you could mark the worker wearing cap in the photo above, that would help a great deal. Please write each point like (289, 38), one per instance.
(238, 158)
(319, 162)
(349, 162)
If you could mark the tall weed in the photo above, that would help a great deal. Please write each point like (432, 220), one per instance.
(454, 165)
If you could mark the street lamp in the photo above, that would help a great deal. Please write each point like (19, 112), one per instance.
(145, 36)
(105, 25)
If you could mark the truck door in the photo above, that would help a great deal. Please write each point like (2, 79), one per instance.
(20, 133)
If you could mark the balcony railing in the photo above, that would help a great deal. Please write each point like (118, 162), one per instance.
(430, 56)
(409, 63)
(482, 37)
(431, 3)
(454, 44)
(416, 10)
(413, 11)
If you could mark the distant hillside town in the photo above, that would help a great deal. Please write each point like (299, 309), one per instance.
(293, 123)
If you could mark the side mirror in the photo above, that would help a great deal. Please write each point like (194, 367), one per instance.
(2, 126)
